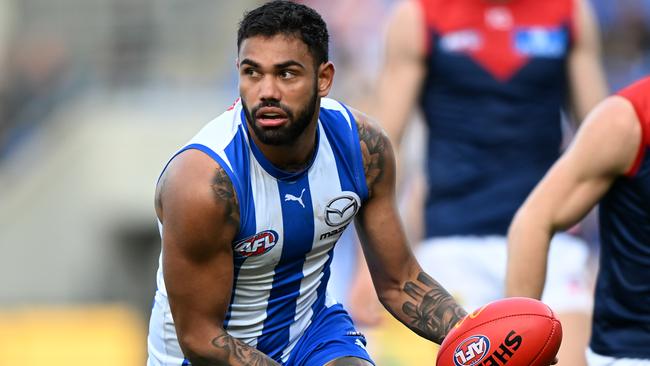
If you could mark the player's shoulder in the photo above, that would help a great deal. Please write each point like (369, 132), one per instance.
(367, 126)
(376, 149)
(194, 182)
(615, 113)
(200, 169)
(192, 170)
(614, 132)
(370, 133)
(203, 154)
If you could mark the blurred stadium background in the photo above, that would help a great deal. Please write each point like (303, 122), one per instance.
(94, 97)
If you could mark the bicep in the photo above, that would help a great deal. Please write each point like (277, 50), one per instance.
(200, 219)
(567, 193)
(604, 149)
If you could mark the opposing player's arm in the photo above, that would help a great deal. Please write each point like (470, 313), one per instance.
(586, 77)
(197, 205)
(406, 291)
(605, 147)
(403, 69)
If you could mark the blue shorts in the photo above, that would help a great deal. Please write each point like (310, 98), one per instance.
(331, 335)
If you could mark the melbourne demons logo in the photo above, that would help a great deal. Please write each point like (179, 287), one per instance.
(472, 350)
(257, 244)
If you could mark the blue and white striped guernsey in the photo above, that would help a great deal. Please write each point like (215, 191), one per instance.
(289, 225)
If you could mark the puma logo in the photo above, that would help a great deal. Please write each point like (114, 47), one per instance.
(290, 197)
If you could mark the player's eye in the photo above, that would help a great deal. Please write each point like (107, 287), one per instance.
(287, 74)
(249, 71)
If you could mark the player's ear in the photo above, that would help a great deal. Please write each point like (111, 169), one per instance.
(237, 63)
(325, 78)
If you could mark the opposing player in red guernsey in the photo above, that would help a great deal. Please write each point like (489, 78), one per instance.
(491, 78)
(608, 163)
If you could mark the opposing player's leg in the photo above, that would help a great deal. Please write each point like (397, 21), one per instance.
(569, 294)
(576, 327)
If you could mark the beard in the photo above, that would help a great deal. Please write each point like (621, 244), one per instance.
(283, 135)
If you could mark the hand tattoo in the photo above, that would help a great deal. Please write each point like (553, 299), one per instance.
(434, 312)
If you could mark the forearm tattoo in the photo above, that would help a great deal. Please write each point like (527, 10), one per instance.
(373, 147)
(433, 312)
(240, 353)
(225, 193)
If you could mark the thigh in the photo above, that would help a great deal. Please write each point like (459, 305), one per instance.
(349, 361)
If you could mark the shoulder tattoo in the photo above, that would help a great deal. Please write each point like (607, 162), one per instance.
(224, 192)
(373, 147)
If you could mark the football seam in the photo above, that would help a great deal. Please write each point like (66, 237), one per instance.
(548, 338)
(503, 317)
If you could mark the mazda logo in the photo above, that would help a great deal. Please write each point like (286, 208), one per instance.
(341, 210)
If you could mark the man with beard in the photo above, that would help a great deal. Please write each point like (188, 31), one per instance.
(250, 209)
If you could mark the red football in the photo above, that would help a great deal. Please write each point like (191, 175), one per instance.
(515, 331)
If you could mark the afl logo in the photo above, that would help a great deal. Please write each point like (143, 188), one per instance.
(341, 210)
(257, 244)
(472, 350)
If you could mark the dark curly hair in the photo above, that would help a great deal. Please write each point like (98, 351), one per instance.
(288, 18)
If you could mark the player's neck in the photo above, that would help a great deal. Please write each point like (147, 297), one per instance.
(292, 157)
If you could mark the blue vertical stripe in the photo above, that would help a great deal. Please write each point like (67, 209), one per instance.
(298, 226)
(347, 151)
(322, 287)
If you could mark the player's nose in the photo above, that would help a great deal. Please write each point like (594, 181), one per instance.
(268, 89)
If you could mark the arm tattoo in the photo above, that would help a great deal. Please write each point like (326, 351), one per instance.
(238, 351)
(373, 147)
(225, 193)
(433, 311)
